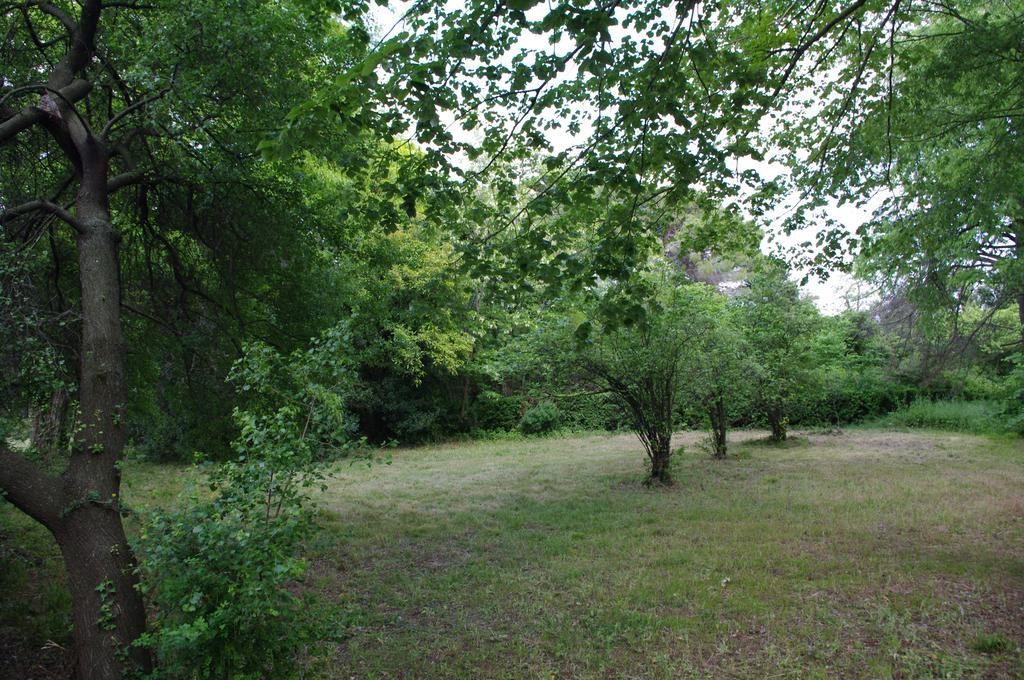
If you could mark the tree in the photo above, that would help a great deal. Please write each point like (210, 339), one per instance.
(720, 376)
(81, 509)
(644, 364)
(650, 98)
(100, 101)
(777, 323)
(932, 130)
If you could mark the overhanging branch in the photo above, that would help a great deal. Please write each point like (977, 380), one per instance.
(134, 107)
(42, 206)
(124, 179)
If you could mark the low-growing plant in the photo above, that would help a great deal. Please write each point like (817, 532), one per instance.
(217, 574)
(493, 411)
(1013, 409)
(991, 643)
(221, 571)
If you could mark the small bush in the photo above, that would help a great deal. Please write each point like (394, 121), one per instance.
(1013, 397)
(221, 570)
(218, 574)
(542, 418)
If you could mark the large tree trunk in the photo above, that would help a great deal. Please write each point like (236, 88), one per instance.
(109, 614)
(107, 611)
(82, 508)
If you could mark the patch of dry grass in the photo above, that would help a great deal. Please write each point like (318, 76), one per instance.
(862, 554)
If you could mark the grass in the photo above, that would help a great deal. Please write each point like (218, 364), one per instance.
(866, 553)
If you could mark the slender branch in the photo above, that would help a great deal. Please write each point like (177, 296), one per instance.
(45, 7)
(799, 50)
(60, 15)
(127, 5)
(134, 107)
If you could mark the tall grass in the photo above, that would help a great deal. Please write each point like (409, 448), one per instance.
(976, 417)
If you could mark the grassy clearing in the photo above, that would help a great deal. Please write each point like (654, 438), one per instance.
(861, 554)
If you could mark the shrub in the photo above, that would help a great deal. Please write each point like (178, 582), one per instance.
(220, 572)
(542, 418)
(216, 574)
(492, 411)
(848, 395)
(1013, 409)
(588, 412)
(961, 416)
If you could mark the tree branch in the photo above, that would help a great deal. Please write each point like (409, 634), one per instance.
(30, 115)
(800, 49)
(133, 107)
(124, 179)
(42, 206)
(31, 490)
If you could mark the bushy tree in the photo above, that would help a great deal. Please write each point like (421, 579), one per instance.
(777, 322)
(720, 377)
(644, 364)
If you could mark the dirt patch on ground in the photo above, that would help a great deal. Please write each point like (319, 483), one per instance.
(20, 659)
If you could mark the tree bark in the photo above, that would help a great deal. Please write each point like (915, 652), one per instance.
(719, 426)
(658, 441)
(49, 424)
(661, 455)
(777, 422)
(109, 614)
(107, 611)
